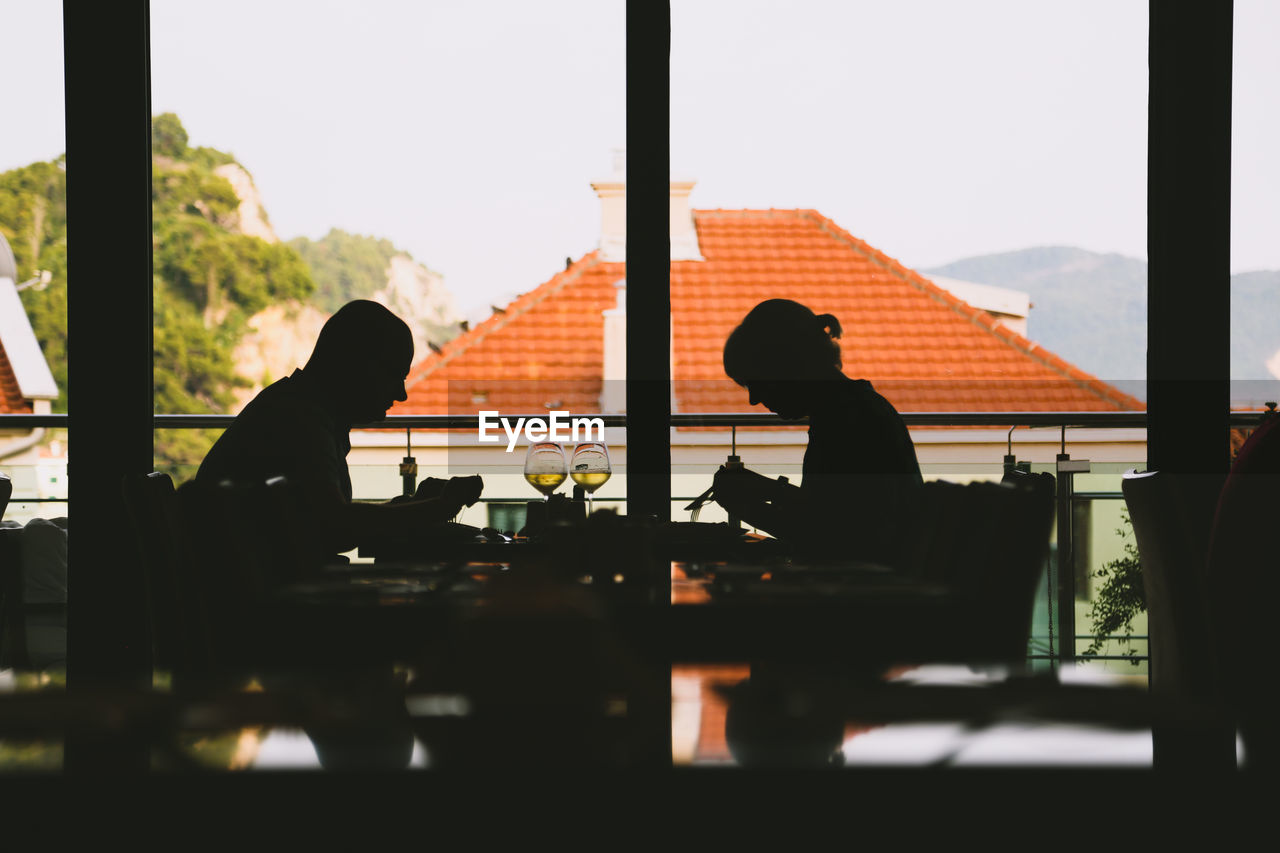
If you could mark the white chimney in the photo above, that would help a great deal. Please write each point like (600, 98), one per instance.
(613, 394)
(684, 237)
(613, 215)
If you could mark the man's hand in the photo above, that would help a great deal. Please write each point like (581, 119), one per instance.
(429, 487)
(463, 491)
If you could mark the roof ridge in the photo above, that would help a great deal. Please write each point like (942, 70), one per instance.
(982, 319)
(515, 308)
(755, 210)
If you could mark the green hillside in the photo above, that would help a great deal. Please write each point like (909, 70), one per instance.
(356, 266)
(345, 266)
(210, 276)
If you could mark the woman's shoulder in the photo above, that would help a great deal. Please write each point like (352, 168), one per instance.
(861, 394)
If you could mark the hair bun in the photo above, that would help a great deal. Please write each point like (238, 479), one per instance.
(830, 325)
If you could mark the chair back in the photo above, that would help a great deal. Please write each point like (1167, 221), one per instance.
(988, 542)
(1243, 574)
(176, 621)
(13, 634)
(222, 525)
(12, 637)
(6, 492)
(1172, 516)
(247, 541)
(281, 534)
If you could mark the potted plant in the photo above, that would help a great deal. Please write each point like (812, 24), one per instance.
(1119, 599)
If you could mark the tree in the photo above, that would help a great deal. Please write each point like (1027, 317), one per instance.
(168, 136)
(345, 266)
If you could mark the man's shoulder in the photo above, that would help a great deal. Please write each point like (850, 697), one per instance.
(280, 424)
(285, 400)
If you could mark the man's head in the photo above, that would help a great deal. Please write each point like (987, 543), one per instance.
(362, 358)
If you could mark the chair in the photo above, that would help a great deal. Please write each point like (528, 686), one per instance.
(280, 535)
(178, 624)
(221, 574)
(6, 492)
(247, 540)
(1243, 585)
(13, 634)
(1172, 515)
(10, 576)
(204, 561)
(988, 542)
(21, 619)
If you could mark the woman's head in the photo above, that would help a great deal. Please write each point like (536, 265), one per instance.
(777, 347)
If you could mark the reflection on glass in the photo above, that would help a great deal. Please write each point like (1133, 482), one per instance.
(590, 468)
(545, 467)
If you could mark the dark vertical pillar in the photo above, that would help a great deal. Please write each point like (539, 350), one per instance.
(109, 351)
(1189, 236)
(648, 260)
(1189, 298)
(649, 334)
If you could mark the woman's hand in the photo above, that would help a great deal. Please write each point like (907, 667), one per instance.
(458, 491)
(740, 486)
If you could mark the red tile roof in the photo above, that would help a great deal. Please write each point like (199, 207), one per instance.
(11, 400)
(923, 348)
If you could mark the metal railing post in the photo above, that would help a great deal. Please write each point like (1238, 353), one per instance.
(1067, 468)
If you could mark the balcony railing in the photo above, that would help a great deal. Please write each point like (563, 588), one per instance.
(1062, 585)
(1070, 420)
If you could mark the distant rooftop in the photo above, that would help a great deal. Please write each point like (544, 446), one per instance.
(24, 373)
(8, 265)
(923, 347)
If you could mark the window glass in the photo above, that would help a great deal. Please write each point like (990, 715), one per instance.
(33, 260)
(33, 358)
(962, 185)
(1255, 217)
(435, 157)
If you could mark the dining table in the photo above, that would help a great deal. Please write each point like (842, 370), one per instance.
(670, 593)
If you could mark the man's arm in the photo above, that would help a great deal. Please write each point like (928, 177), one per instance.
(366, 521)
(349, 524)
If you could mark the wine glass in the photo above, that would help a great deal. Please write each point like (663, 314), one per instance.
(545, 467)
(590, 467)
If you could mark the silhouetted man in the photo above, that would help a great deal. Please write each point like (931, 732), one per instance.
(298, 428)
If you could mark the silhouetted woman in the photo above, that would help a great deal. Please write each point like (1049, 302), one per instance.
(860, 468)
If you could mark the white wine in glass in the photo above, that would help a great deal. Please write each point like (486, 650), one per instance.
(590, 468)
(545, 467)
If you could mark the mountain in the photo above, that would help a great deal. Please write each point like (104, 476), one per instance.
(354, 266)
(1091, 308)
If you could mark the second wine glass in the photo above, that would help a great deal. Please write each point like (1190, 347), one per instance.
(590, 468)
(545, 467)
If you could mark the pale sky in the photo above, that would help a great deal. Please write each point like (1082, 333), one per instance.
(468, 133)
